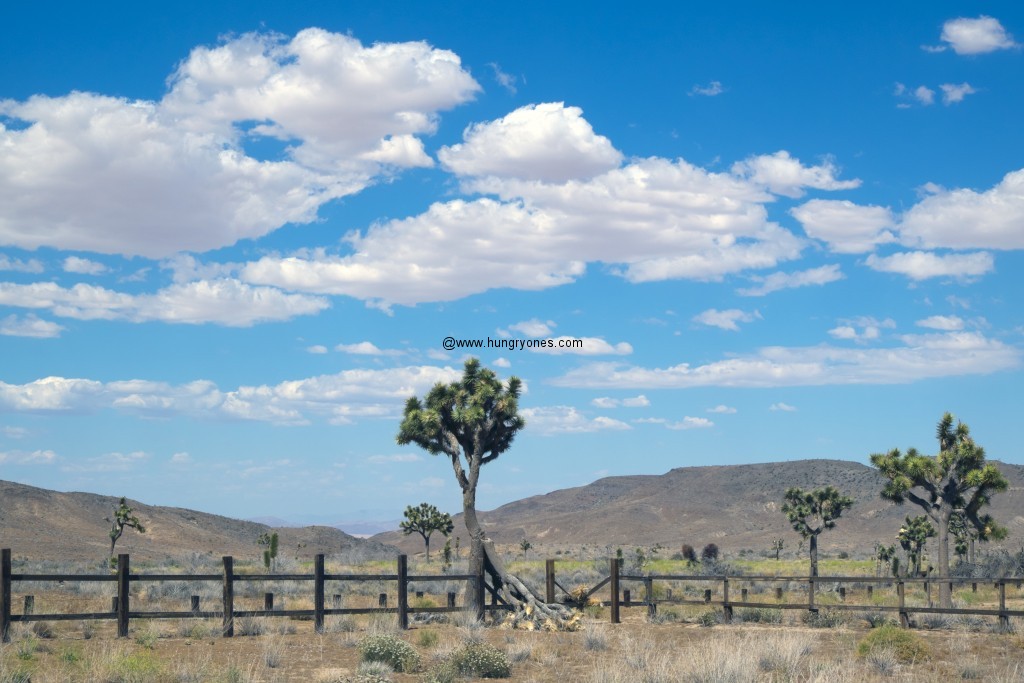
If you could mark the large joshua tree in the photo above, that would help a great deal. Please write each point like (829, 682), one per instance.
(471, 422)
(811, 512)
(957, 481)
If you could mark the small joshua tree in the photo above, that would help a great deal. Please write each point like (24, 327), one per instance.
(689, 554)
(811, 512)
(710, 552)
(425, 519)
(124, 516)
(912, 536)
(777, 547)
(525, 546)
(884, 556)
(268, 541)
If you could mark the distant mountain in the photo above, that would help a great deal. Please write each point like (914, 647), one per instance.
(733, 506)
(39, 524)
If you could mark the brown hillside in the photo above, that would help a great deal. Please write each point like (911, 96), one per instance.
(734, 506)
(47, 525)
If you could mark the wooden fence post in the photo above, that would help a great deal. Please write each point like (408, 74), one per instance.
(810, 596)
(842, 593)
(652, 607)
(451, 599)
(30, 605)
(726, 607)
(318, 593)
(1004, 618)
(268, 601)
(778, 592)
(707, 596)
(627, 597)
(871, 591)
(614, 582)
(228, 620)
(549, 581)
(743, 595)
(382, 600)
(403, 592)
(122, 596)
(336, 601)
(901, 594)
(5, 595)
(195, 603)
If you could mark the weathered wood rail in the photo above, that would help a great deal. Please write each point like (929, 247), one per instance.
(124, 579)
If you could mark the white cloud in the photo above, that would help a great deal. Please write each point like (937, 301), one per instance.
(398, 457)
(726, 320)
(919, 357)
(181, 458)
(533, 327)
(567, 420)
(366, 348)
(848, 228)
(548, 142)
(29, 326)
(339, 397)
(501, 363)
(224, 302)
(640, 401)
(592, 346)
(922, 265)
(316, 349)
(37, 457)
(722, 409)
(924, 95)
(942, 322)
(802, 278)
(782, 174)
(710, 90)
(783, 407)
(505, 80)
(109, 462)
(952, 93)
(17, 265)
(14, 432)
(686, 423)
(104, 174)
(83, 266)
(870, 329)
(966, 219)
(976, 36)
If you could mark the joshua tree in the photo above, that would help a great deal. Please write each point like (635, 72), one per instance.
(914, 533)
(525, 546)
(710, 552)
(957, 480)
(425, 519)
(471, 422)
(777, 547)
(811, 512)
(268, 541)
(884, 555)
(689, 554)
(123, 516)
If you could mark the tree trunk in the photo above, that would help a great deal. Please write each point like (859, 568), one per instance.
(484, 557)
(814, 554)
(970, 552)
(426, 542)
(945, 596)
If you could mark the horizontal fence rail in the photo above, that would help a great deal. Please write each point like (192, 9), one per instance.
(123, 613)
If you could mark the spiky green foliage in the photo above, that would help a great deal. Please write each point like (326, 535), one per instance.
(424, 519)
(269, 543)
(124, 516)
(912, 536)
(812, 512)
(956, 481)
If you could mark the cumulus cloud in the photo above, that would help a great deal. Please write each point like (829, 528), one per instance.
(918, 357)
(942, 322)
(924, 95)
(726, 320)
(38, 457)
(399, 457)
(547, 142)
(29, 326)
(723, 410)
(83, 266)
(782, 174)
(967, 219)
(533, 327)
(366, 348)
(502, 363)
(976, 36)
(802, 278)
(640, 401)
(861, 329)
(224, 302)
(592, 346)
(846, 227)
(104, 174)
(782, 407)
(710, 90)
(568, 420)
(316, 349)
(952, 93)
(922, 265)
(340, 398)
(17, 265)
(686, 423)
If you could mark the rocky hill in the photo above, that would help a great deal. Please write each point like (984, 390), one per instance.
(734, 506)
(47, 525)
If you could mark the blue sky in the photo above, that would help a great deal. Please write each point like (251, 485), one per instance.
(232, 240)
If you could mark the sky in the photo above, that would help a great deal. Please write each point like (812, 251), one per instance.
(234, 237)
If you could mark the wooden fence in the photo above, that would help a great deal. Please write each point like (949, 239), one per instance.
(619, 595)
(122, 612)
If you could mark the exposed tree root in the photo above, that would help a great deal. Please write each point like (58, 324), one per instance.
(529, 611)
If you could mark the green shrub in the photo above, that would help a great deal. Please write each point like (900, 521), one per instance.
(760, 615)
(444, 672)
(392, 650)
(709, 618)
(482, 660)
(426, 638)
(905, 645)
(825, 618)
